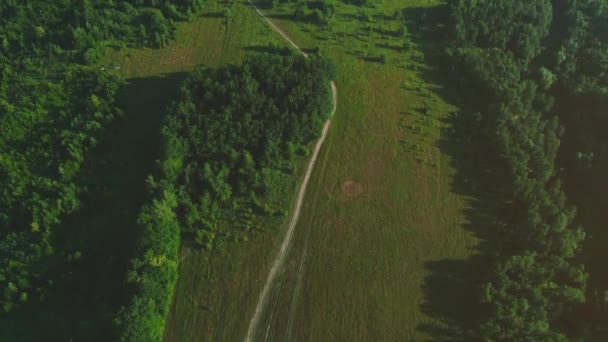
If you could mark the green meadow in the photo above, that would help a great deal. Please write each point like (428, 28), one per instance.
(389, 215)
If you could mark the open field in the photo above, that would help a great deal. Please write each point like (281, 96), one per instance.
(383, 228)
(386, 225)
(208, 40)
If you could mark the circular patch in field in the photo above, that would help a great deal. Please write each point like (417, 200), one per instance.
(352, 189)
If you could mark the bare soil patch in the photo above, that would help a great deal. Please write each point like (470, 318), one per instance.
(352, 188)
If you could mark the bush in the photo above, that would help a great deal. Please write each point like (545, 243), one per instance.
(538, 281)
(242, 113)
(382, 59)
(301, 13)
(153, 272)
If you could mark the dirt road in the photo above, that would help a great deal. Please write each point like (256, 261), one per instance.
(280, 258)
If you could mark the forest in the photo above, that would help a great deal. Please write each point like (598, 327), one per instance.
(57, 105)
(530, 77)
(225, 138)
(55, 108)
(532, 83)
(232, 129)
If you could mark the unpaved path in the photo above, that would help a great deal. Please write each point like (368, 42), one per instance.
(280, 258)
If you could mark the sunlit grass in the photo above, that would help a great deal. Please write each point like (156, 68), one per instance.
(364, 253)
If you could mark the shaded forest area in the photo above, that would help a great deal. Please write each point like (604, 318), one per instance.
(225, 139)
(57, 115)
(531, 79)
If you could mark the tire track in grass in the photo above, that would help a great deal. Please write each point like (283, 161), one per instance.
(286, 245)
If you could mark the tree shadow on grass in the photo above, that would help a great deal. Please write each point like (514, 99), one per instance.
(450, 298)
(374, 59)
(349, 17)
(586, 185)
(263, 6)
(384, 33)
(453, 287)
(260, 48)
(86, 298)
(212, 15)
(426, 28)
(388, 46)
(283, 16)
(270, 49)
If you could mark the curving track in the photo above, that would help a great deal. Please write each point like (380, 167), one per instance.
(280, 258)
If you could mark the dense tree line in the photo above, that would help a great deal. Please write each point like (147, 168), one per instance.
(78, 29)
(512, 61)
(153, 272)
(320, 13)
(577, 63)
(317, 12)
(231, 131)
(257, 118)
(53, 112)
(47, 128)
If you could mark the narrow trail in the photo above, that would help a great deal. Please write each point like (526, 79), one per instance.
(280, 258)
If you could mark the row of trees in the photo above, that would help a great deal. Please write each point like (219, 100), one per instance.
(78, 30)
(231, 130)
(53, 113)
(317, 12)
(48, 127)
(320, 13)
(153, 272)
(577, 62)
(257, 117)
(511, 60)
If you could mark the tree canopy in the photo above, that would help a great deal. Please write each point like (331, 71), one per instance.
(512, 61)
(225, 139)
(54, 110)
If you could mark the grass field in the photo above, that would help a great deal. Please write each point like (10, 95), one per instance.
(388, 221)
(373, 258)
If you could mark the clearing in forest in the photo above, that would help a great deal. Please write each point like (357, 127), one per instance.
(386, 226)
(386, 222)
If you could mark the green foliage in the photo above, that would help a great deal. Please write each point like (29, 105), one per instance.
(580, 56)
(510, 86)
(516, 26)
(47, 128)
(255, 116)
(72, 29)
(546, 78)
(382, 58)
(320, 13)
(525, 316)
(360, 2)
(228, 129)
(402, 32)
(53, 113)
(577, 57)
(153, 271)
